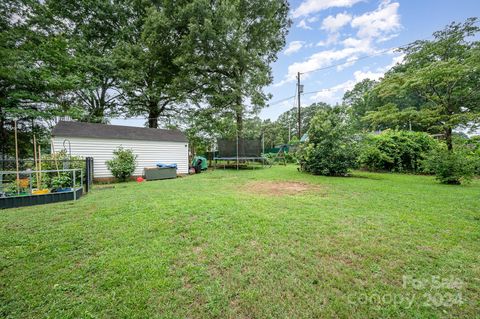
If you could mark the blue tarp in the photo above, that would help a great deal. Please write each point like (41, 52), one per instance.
(161, 165)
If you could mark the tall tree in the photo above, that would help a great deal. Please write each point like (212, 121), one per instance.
(150, 64)
(445, 73)
(93, 29)
(231, 45)
(34, 73)
(360, 100)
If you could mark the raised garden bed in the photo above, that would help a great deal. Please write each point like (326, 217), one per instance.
(30, 200)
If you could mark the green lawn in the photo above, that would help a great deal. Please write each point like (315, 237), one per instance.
(216, 245)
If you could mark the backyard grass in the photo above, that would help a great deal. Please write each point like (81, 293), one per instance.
(231, 244)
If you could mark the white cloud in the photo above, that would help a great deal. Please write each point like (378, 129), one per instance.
(332, 39)
(379, 23)
(361, 75)
(325, 58)
(335, 23)
(352, 42)
(335, 93)
(371, 27)
(304, 23)
(396, 60)
(349, 62)
(293, 47)
(309, 7)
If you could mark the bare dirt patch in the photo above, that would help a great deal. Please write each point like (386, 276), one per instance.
(279, 188)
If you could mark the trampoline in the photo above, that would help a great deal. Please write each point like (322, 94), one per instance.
(239, 150)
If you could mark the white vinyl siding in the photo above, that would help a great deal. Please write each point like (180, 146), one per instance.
(149, 153)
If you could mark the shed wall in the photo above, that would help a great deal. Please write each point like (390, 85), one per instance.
(149, 152)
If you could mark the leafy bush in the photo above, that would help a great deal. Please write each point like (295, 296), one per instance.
(471, 147)
(63, 161)
(61, 181)
(451, 167)
(396, 151)
(289, 157)
(331, 147)
(123, 163)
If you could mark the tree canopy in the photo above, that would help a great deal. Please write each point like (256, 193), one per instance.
(94, 59)
(443, 75)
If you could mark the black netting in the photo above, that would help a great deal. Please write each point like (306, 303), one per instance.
(246, 148)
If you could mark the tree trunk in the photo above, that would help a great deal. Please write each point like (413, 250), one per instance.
(153, 114)
(448, 138)
(152, 120)
(97, 115)
(239, 120)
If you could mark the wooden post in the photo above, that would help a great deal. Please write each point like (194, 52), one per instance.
(35, 160)
(16, 157)
(40, 166)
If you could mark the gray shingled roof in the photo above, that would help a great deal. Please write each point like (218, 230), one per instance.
(93, 130)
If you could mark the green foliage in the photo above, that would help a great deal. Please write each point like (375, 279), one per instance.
(440, 77)
(290, 157)
(451, 167)
(471, 147)
(61, 181)
(229, 50)
(395, 151)
(331, 148)
(63, 161)
(123, 163)
(360, 100)
(10, 188)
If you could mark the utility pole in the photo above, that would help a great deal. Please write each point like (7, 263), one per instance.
(299, 92)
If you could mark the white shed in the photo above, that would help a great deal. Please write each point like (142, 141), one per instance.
(151, 145)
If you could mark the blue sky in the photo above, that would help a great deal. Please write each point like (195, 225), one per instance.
(326, 32)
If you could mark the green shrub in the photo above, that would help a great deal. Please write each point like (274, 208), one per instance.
(61, 160)
(451, 167)
(289, 157)
(331, 147)
(123, 163)
(61, 181)
(472, 148)
(396, 151)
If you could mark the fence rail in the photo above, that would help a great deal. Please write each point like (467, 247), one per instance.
(76, 173)
(28, 165)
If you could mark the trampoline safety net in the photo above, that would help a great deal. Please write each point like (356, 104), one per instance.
(246, 148)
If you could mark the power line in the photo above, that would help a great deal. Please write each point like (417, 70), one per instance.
(282, 100)
(350, 61)
(363, 57)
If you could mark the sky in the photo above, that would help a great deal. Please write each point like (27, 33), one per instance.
(337, 32)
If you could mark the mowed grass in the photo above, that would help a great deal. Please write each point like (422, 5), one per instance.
(213, 246)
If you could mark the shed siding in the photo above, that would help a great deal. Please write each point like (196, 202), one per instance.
(149, 152)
